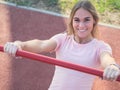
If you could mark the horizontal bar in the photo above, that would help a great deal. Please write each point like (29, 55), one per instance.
(53, 61)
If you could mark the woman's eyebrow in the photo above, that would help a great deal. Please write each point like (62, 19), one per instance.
(84, 17)
(87, 17)
(75, 18)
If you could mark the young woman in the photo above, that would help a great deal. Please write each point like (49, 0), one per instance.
(79, 46)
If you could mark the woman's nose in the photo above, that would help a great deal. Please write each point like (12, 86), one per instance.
(81, 24)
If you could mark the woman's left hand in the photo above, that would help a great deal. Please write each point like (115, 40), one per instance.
(111, 72)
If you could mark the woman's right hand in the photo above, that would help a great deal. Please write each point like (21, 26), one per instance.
(12, 47)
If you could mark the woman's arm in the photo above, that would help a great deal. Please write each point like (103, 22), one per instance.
(38, 46)
(111, 69)
(35, 46)
(106, 59)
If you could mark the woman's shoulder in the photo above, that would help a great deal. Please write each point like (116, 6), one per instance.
(60, 35)
(98, 41)
(101, 43)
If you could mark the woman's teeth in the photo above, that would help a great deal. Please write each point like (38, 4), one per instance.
(81, 30)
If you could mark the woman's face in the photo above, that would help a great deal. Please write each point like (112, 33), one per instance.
(83, 23)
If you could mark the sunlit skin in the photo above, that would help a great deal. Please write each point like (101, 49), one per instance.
(83, 25)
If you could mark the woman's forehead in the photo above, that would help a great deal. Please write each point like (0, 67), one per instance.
(82, 13)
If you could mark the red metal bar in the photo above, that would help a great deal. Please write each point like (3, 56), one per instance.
(54, 61)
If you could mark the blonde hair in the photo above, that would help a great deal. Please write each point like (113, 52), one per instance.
(87, 5)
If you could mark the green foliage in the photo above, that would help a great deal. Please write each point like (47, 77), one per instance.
(20, 2)
(50, 2)
(115, 4)
(25, 3)
(66, 5)
(100, 5)
(106, 5)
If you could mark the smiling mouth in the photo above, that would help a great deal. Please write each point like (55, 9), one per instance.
(81, 30)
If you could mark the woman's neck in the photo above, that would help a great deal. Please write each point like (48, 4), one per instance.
(83, 40)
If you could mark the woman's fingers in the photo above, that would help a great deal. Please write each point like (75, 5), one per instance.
(111, 73)
(10, 48)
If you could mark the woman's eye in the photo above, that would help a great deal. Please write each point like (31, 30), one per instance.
(77, 20)
(87, 19)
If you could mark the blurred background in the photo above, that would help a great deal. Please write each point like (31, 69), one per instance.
(108, 10)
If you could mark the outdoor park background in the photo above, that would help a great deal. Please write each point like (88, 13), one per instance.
(25, 23)
(105, 8)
